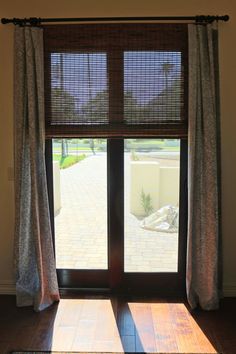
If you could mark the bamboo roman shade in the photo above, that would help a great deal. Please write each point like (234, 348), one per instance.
(116, 80)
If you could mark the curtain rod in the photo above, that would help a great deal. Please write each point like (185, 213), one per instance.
(34, 21)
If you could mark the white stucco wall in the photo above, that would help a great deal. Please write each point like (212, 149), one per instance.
(160, 182)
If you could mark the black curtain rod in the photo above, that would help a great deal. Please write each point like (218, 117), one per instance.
(34, 21)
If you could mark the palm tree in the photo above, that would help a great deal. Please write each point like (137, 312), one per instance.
(64, 145)
(167, 69)
(67, 102)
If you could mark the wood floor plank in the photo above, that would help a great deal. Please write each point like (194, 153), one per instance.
(128, 343)
(85, 331)
(125, 320)
(22, 340)
(106, 333)
(185, 336)
(43, 335)
(144, 330)
(164, 333)
(69, 312)
(42, 339)
(204, 342)
(104, 325)
(63, 337)
(126, 327)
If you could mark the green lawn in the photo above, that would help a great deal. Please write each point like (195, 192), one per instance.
(152, 145)
(130, 144)
(68, 160)
(57, 149)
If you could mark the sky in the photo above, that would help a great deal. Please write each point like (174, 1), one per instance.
(85, 74)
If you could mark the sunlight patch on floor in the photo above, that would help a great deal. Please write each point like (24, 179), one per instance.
(174, 329)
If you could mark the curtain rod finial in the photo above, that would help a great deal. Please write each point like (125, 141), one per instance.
(210, 19)
(4, 21)
(33, 21)
(225, 18)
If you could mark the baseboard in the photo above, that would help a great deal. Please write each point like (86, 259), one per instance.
(229, 290)
(7, 287)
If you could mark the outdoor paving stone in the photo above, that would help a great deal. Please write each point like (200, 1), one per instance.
(81, 225)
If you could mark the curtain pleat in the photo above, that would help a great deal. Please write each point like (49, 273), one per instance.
(36, 281)
(203, 250)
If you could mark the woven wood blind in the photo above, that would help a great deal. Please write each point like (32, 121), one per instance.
(116, 80)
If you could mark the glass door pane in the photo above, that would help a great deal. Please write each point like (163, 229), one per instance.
(151, 205)
(80, 203)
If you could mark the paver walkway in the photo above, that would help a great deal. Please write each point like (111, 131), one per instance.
(81, 225)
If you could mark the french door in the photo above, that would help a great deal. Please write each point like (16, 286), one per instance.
(118, 213)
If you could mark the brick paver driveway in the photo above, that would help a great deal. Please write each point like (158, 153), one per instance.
(81, 230)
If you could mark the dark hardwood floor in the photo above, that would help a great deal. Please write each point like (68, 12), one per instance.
(117, 325)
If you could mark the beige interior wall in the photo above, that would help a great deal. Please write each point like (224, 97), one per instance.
(90, 8)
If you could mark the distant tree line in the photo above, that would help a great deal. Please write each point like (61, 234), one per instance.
(166, 105)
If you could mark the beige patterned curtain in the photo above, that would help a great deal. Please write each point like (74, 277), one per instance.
(203, 259)
(36, 281)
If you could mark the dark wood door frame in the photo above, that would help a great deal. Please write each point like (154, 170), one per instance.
(115, 279)
(167, 284)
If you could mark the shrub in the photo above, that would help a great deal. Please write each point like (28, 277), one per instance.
(69, 160)
(146, 201)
